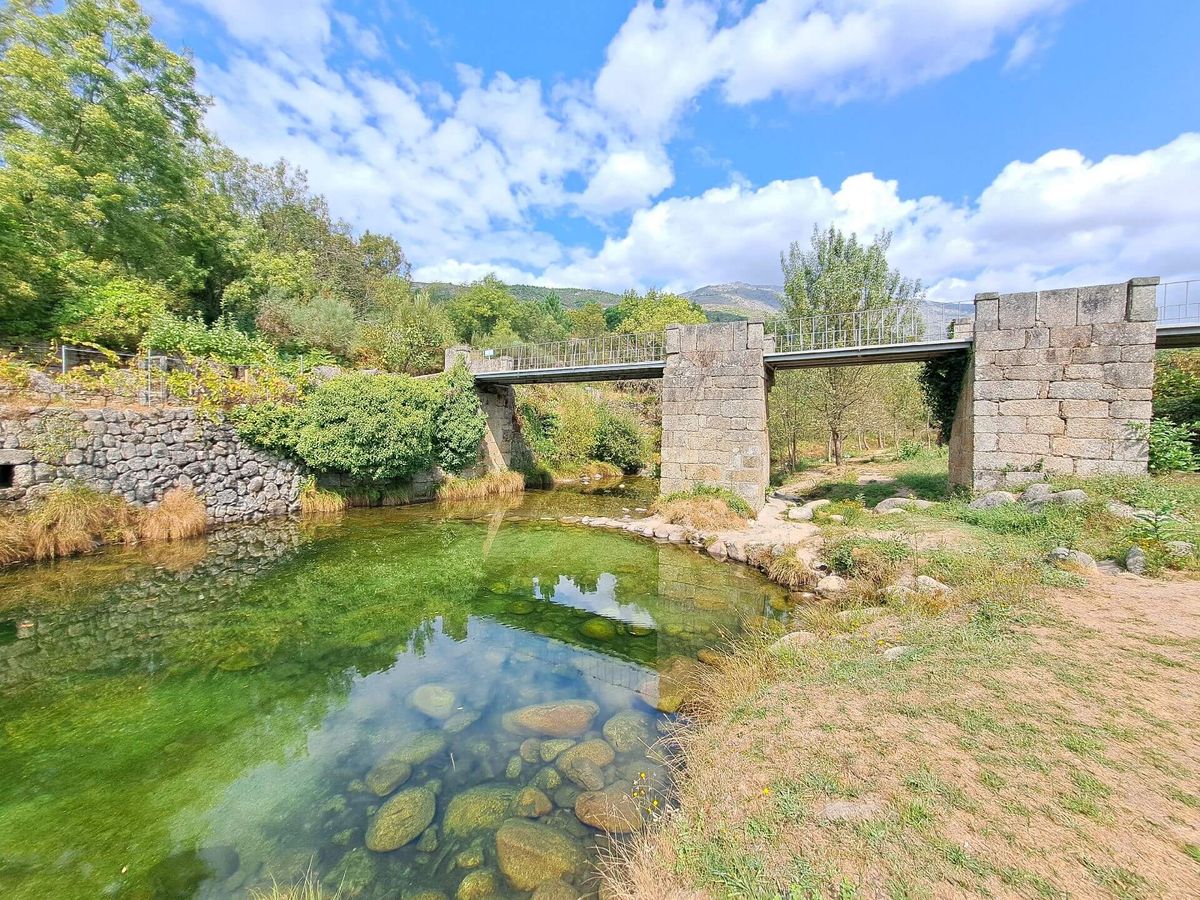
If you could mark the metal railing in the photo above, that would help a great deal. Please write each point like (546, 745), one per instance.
(1178, 302)
(872, 327)
(608, 350)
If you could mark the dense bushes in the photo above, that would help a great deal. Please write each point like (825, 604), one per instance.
(567, 428)
(375, 429)
(1171, 447)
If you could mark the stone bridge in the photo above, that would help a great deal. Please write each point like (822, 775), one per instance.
(1057, 381)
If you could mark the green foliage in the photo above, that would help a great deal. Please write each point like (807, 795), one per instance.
(325, 322)
(374, 428)
(408, 337)
(481, 309)
(941, 382)
(588, 320)
(735, 503)
(104, 158)
(1177, 386)
(618, 441)
(1171, 446)
(222, 340)
(460, 423)
(653, 311)
(114, 313)
(911, 449)
(273, 427)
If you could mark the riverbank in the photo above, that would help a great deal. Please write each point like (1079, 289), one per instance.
(1028, 728)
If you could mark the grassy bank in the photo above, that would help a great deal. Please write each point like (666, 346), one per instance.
(1028, 732)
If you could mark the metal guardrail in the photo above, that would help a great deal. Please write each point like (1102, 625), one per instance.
(1178, 302)
(608, 350)
(871, 328)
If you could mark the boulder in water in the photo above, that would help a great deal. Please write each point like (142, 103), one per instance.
(475, 809)
(598, 629)
(583, 763)
(434, 700)
(394, 768)
(549, 750)
(561, 718)
(614, 810)
(530, 853)
(628, 730)
(531, 804)
(401, 819)
(478, 885)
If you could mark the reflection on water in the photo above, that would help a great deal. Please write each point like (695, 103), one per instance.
(363, 698)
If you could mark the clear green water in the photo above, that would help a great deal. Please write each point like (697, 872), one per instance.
(198, 720)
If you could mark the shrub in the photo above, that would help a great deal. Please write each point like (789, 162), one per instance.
(374, 428)
(115, 313)
(180, 514)
(273, 427)
(911, 449)
(618, 441)
(460, 422)
(1171, 447)
(223, 340)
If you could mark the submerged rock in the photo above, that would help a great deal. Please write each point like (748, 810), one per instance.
(628, 730)
(555, 889)
(434, 700)
(676, 679)
(614, 810)
(530, 750)
(530, 853)
(531, 804)
(481, 807)
(412, 750)
(562, 718)
(583, 763)
(353, 874)
(481, 884)
(401, 819)
(598, 629)
(550, 749)
(460, 721)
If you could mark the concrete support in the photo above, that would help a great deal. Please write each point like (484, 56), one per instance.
(714, 410)
(1059, 382)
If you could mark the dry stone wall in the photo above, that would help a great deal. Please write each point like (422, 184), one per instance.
(714, 410)
(1060, 382)
(140, 454)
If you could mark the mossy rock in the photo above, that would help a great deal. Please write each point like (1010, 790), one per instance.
(481, 807)
(598, 629)
(460, 721)
(353, 874)
(401, 819)
(584, 763)
(531, 804)
(481, 884)
(614, 810)
(530, 853)
(387, 775)
(411, 750)
(549, 750)
(520, 607)
(555, 889)
(640, 630)
(560, 718)
(628, 730)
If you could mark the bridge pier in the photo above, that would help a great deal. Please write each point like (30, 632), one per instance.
(502, 445)
(714, 410)
(1058, 382)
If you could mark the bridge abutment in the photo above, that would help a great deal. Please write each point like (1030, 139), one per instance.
(714, 410)
(1058, 382)
(502, 445)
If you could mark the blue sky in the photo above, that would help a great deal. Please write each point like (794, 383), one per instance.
(1007, 144)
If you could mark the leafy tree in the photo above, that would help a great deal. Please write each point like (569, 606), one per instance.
(480, 309)
(588, 321)
(654, 311)
(115, 313)
(836, 275)
(409, 337)
(618, 441)
(100, 133)
(537, 321)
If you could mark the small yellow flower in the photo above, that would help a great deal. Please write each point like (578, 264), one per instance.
(766, 790)
(642, 776)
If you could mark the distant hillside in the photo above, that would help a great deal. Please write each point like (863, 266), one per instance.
(754, 301)
(571, 298)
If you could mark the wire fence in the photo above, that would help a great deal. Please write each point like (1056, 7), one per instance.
(607, 350)
(67, 372)
(871, 328)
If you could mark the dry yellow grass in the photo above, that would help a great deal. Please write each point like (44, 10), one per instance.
(180, 514)
(494, 484)
(315, 501)
(701, 513)
(75, 518)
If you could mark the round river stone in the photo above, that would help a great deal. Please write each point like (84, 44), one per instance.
(530, 853)
(401, 819)
(562, 718)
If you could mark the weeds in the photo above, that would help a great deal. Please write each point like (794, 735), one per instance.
(181, 514)
(316, 501)
(494, 484)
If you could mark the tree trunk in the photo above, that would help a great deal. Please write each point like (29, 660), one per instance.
(835, 444)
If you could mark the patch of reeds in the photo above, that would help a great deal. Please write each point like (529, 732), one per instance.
(494, 484)
(180, 514)
(316, 501)
(700, 513)
(308, 887)
(75, 518)
(789, 570)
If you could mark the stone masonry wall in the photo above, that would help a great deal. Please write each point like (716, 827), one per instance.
(140, 454)
(1060, 381)
(714, 410)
